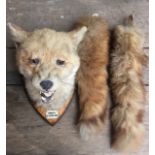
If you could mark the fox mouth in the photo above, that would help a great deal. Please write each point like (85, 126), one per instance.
(46, 96)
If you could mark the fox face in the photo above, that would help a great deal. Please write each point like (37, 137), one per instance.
(47, 59)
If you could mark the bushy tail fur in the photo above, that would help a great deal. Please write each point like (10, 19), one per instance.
(92, 76)
(127, 87)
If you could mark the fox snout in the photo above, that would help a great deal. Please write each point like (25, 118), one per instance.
(46, 84)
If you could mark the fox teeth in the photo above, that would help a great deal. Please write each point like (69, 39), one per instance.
(47, 94)
(46, 99)
(43, 99)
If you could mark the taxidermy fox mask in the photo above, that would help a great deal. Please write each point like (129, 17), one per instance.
(48, 60)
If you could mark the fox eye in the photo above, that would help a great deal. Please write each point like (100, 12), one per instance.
(34, 61)
(60, 62)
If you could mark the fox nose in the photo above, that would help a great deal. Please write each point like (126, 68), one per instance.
(46, 84)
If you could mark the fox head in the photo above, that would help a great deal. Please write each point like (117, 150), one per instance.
(46, 58)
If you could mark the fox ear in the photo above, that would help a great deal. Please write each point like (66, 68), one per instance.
(78, 35)
(18, 34)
